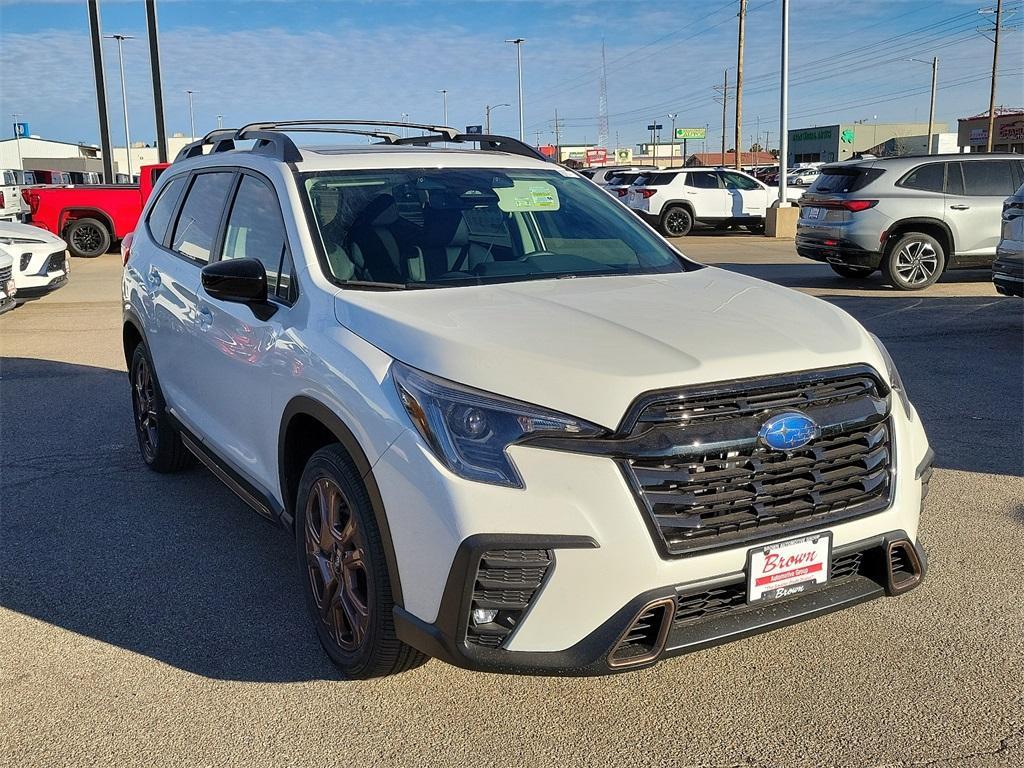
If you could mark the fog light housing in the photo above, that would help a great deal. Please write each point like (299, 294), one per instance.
(484, 615)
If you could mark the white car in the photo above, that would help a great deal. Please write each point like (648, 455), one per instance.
(7, 286)
(41, 263)
(10, 196)
(507, 424)
(600, 176)
(672, 201)
(803, 177)
(1008, 267)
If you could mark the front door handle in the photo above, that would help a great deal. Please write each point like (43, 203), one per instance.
(959, 207)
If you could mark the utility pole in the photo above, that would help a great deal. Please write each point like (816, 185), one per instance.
(558, 138)
(158, 90)
(995, 64)
(931, 107)
(124, 100)
(101, 91)
(518, 42)
(191, 115)
(739, 86)
(784, 107)
(672, 142)
(724, 91)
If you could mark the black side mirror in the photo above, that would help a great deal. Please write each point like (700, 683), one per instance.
(243, 281)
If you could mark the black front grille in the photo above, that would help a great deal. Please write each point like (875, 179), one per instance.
(5, 274)
(506, 582)
(738, 490)
(695, 606)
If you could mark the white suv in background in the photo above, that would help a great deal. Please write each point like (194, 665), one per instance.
(673, 200)
(7, 287)
(41, 263)
(508, 425)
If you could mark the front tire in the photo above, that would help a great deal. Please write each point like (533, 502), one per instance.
(914, 262)
(87, 238)
(159, 442)
(677, 222)
(851, 272)
(345, 576)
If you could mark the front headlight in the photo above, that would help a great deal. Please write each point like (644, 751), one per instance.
(895, 382)
(470, 430)
(20, 241)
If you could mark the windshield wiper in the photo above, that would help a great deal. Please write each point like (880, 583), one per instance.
(372, 285)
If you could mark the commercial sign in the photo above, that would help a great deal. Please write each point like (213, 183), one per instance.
(814, 134)
(597, 156)
(1012, 131)
(474, 129)
(624, 155)
(21, 130)
(691, 133)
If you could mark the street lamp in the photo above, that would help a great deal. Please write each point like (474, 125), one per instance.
(191, 115)
(444, 101)
(124, 99)
(518, 43)
(220, 121)
(931, 109)
(487, 116)
(405, 119)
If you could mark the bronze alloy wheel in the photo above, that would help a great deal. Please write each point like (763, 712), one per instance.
(336, 564)
(144, 404)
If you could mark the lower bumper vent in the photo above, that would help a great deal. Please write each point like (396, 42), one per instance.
(646, 636)
(904, 566)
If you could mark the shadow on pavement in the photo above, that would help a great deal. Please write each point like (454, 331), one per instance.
(171, 566)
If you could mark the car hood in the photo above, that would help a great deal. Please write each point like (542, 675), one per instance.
(29, 232)
(589, 346)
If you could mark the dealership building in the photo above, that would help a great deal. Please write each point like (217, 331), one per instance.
(832, 143)
(972, 135)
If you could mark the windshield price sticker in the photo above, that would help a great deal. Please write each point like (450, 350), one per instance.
(789, 567)
(527, 196)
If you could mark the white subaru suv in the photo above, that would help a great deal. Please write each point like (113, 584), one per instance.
(674, 200)
(507, 424)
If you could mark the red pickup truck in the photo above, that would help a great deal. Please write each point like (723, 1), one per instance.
(91, 218)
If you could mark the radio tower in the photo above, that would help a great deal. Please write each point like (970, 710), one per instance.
(602, 104)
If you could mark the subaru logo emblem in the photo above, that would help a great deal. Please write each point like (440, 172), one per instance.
(788, 431)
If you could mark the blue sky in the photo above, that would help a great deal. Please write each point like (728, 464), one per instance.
(371, 58)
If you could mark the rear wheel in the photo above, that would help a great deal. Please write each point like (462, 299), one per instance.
(854, 273)
(341, 557)
(915, 261)
(159, 442)
(87, 238)
(677, 222)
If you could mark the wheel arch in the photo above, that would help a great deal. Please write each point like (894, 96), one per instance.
(687, 204)
(131, 336)
(74, 212)
(926, 225)
(306, 426)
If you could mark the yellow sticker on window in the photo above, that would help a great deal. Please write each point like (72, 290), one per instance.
(527, 196)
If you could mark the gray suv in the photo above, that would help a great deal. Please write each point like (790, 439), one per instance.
(911, 217)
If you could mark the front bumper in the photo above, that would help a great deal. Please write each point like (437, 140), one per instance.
(695, 616)
(27, 293)
(611, 567)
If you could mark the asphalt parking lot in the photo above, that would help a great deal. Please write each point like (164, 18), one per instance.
(155, 620)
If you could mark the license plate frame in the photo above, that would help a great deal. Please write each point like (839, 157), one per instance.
(785, 578)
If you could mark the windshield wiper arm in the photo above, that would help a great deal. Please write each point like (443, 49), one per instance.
(373, 285)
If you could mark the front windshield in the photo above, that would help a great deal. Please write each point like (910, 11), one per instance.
(426, 228)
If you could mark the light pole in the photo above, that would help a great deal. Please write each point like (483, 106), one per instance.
(444, 102)
(672, 141)
(124, 99)
(931, 109)
(518, 42)
(405, 119)
(191, 115)
(17, 141)
(486, 116)
(784, 108)
(220, 121)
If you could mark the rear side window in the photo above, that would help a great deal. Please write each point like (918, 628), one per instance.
(256, 229)
(703, 180)
(987, 178)
(739, 181)
(844, 179)
(162, 210)
(200, 215)
(659, 179)
(929, 177)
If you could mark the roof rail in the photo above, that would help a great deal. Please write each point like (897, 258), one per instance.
(325, 125)
(486, 141)
(220, 139)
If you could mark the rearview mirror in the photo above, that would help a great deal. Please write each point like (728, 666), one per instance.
(243, 281)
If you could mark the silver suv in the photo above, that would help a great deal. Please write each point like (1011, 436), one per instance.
(911, 217)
